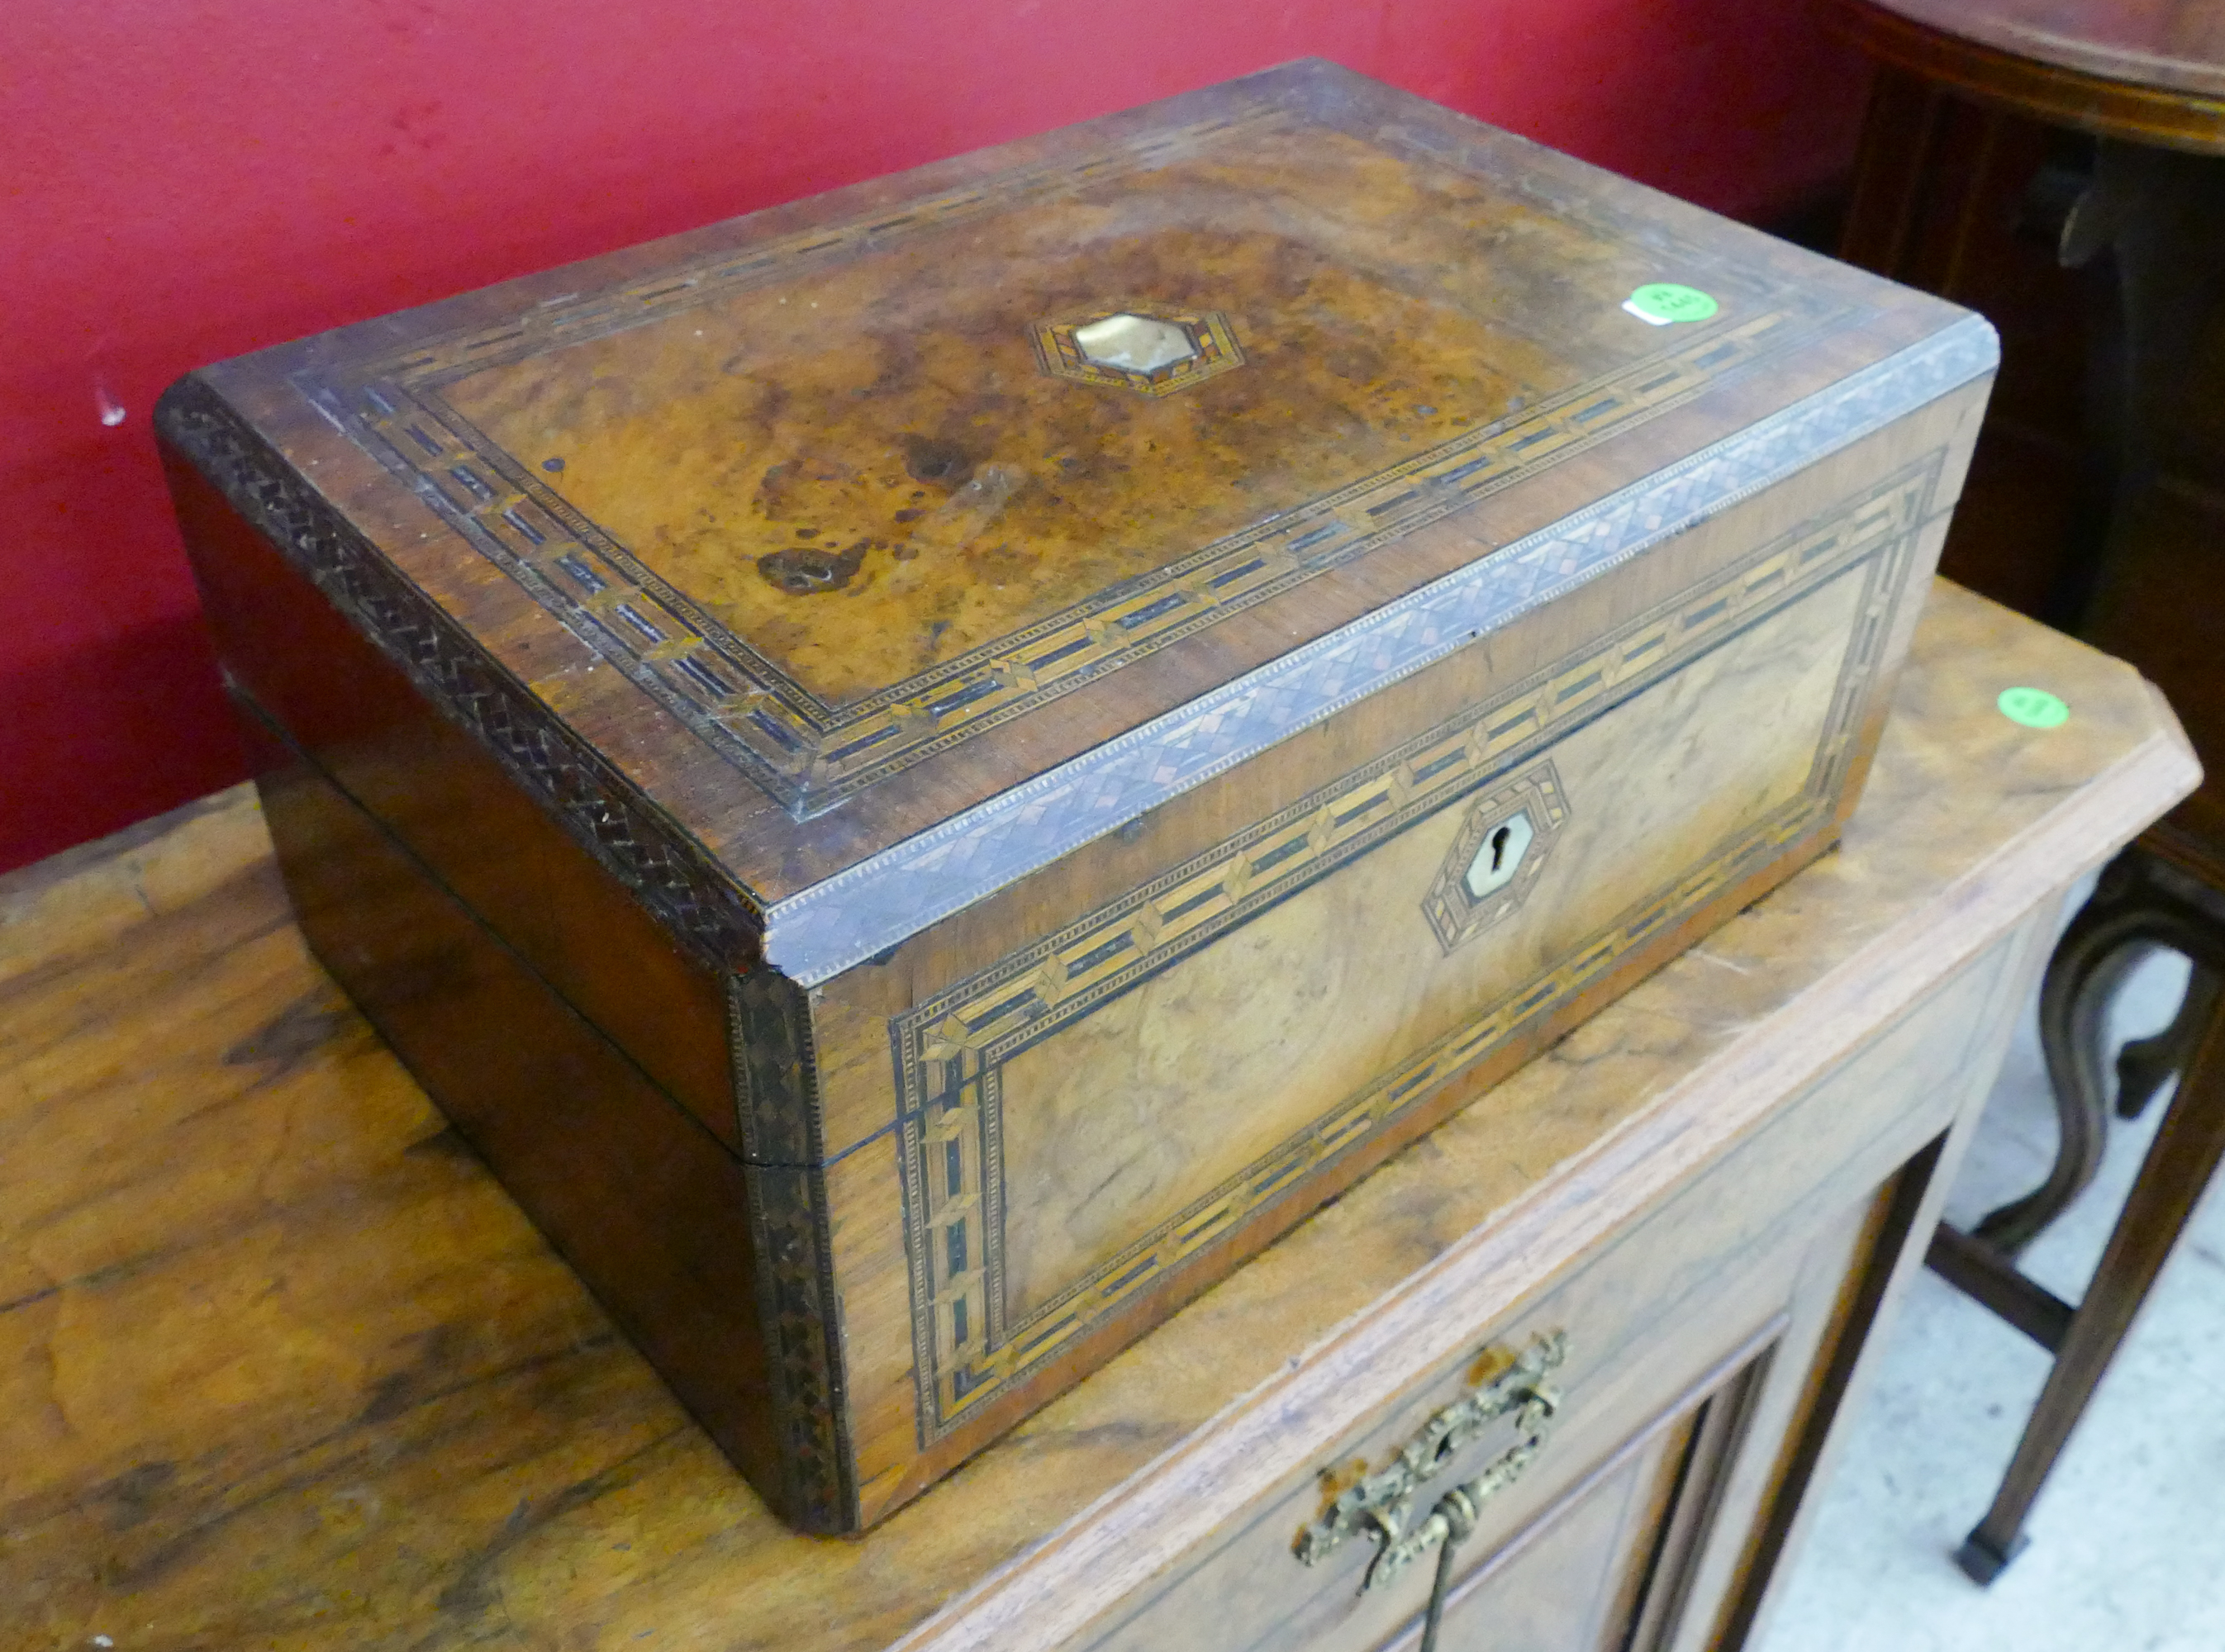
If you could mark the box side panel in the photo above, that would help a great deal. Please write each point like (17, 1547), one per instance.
(1953, 422)
(1340, 971)
(1234, 1032)
(493, 859)
(649, 1208)
(362, 721)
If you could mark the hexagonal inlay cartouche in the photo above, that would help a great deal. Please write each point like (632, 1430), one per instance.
(1151, 348)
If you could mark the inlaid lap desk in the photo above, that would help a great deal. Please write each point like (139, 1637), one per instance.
(284, 1367)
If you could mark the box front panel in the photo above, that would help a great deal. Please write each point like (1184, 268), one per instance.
(1087, 1115)
(1155, 1106)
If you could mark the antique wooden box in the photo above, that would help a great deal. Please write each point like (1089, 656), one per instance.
(924, 771)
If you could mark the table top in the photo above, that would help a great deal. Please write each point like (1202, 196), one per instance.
(2145, 71)
(2175, 43)
(283, 1367)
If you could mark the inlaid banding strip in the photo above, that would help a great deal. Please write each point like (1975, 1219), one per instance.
(884, 900)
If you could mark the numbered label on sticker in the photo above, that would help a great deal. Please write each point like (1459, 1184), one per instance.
(2033, 707)
(1660, 302)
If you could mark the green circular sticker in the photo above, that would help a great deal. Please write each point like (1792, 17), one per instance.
(2033, 707)
(1664, 302)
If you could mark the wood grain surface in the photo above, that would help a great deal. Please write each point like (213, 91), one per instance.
(1115, 1127)
(1704, 714)
(282, 1366)
(1330, 218)
(863, 471)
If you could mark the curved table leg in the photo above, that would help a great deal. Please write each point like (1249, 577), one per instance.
(2146, 1064)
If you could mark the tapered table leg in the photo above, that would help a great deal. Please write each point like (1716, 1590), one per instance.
(2178, 1165)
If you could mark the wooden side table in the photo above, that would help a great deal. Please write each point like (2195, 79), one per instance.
(2060, 165)
(284, 1366)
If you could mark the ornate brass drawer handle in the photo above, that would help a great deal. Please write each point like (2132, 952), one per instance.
(1381, 1504)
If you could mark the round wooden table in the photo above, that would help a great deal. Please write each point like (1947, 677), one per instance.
(2149, 71)
(2060, 165)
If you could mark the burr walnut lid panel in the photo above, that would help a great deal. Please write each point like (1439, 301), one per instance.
(841, 523)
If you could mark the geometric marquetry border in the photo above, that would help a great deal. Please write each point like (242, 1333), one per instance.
(949, 1050)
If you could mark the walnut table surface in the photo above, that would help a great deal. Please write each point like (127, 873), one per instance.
(285, 1368)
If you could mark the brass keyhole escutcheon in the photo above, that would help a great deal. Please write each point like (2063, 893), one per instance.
(1381, 1506)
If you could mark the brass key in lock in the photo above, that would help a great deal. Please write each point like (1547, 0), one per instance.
(1453, 1518)
(1381, 1503)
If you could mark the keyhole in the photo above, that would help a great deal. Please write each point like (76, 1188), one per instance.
(1498, 857)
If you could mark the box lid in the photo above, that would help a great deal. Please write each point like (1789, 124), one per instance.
(830, 568)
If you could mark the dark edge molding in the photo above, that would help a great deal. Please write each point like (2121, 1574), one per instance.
(768, 1019)
(651, 855)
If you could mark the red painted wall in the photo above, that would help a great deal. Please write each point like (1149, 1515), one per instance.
(187, 179)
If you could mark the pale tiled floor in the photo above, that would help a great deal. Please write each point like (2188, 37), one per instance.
(2127, 1547)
